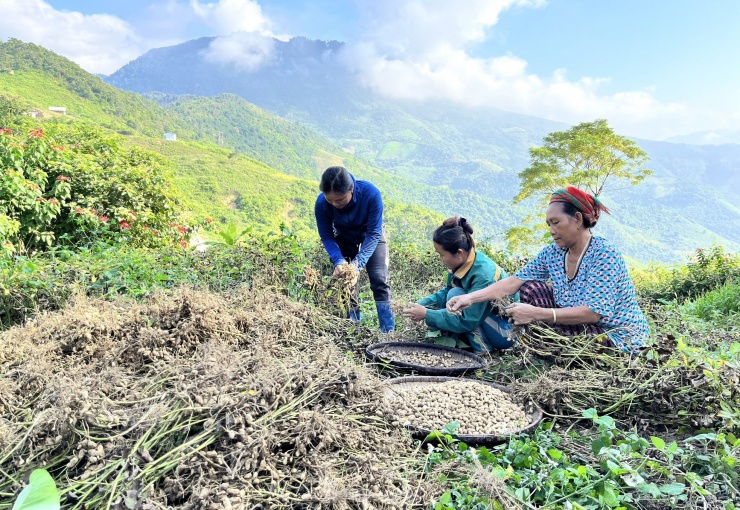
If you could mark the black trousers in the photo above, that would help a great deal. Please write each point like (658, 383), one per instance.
(376, 267)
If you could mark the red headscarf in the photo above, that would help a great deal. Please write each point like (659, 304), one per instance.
(589, 205)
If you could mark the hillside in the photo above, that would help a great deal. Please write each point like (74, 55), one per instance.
(297, 150)
(43, 79)
(232, 188)
(475, 151)
(277, 187)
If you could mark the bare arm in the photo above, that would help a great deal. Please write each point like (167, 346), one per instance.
(523, 313)
(506, 287)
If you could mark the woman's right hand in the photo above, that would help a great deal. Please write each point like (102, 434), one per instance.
(458, 303)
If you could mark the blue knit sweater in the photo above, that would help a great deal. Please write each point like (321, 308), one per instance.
(359, 222)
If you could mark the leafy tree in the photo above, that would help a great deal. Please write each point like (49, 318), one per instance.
(586, 156)
(10, 107)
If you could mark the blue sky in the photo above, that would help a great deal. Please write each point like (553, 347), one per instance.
(654, 68)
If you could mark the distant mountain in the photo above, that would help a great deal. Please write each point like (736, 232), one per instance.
(690, 201)
(716, 137)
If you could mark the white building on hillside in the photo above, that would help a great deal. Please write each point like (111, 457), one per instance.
(170, 137)
(58, 109)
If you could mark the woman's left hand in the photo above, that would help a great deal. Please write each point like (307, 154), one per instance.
(522, 313)
(416, 313)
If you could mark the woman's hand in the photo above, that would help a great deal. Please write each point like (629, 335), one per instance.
(523, 313)
(457, 304)
(340, 269)
(416, 313)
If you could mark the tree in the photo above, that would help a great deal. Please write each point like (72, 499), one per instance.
(10, 107)
(586, 156)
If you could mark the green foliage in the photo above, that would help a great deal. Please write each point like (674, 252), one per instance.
(10, 107)
(74, 185)
(626, 470)
(705, 271)
(41, 493)
(586, 156)
(33, 283)
(45, 79)
(722, 301)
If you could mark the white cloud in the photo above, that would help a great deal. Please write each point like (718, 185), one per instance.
(246, 51)
(246, 38)
(102, 43)
(99, 43)
(228, 16)
(420, 49)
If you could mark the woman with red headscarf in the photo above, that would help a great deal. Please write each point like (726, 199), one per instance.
(578, 284)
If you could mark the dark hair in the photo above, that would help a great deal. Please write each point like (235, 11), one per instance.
(571, 210)
(336, 179)
(454, 234)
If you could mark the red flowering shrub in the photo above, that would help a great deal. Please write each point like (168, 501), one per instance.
(64, 185)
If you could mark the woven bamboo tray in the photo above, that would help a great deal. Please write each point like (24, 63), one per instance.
(535, 414)
(465, 361)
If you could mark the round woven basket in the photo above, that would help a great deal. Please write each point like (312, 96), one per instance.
(395, 384)
(465, 361)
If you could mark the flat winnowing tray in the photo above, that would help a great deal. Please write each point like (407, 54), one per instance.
(399, 384)
(442, 360)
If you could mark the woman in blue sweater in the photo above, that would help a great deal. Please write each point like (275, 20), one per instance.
(349, 217)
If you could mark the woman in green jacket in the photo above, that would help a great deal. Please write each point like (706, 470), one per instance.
(468, 271)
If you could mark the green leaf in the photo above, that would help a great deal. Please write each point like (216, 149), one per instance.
(555, 454)
(446, 498)
(445, 340)
(609, 496)
(650, 488)
(589, 413)
(673, 489)
(40, 494)
(658, 442)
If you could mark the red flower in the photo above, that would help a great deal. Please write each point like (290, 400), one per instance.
(124, 225)
(94, 211)
(78, 210)
(104, 219)
(184, 243)
(53, 201)
(5, 131)
(155, 232)
(63, 178)
(36, 133)
(182, 229)
(209, 220)
(57, 147)
(40, 199)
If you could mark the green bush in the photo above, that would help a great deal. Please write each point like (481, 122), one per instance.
(74, 185)
(706, 270)
(722, 301)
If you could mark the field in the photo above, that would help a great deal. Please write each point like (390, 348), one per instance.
(255, 395)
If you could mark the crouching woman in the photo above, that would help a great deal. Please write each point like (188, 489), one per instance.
(469, 271)
(577, 285)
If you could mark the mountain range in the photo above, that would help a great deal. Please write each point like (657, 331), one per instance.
(304, 111)
(690, 201)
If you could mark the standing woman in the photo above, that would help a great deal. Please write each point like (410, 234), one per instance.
(349, 217)
(578, 284)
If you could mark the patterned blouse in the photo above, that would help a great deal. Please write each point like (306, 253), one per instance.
(601, 283)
